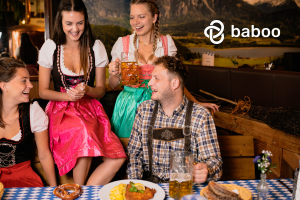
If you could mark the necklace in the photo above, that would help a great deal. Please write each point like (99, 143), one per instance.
(146, 50)
(62, 76)
(145, 43)
(14, 121)
(70, 50)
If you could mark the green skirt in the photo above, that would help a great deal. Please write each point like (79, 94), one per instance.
(125, 109)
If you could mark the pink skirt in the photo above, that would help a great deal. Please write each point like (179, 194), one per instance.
(80, 129)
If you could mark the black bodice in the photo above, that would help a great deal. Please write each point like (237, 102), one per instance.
(14, 152)
(70, 80)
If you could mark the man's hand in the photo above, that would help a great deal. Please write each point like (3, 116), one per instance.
(200, 173)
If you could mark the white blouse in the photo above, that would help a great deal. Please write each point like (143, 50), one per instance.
(159, 52)
(48, 48)
(38, 120)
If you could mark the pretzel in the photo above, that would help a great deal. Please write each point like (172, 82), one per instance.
(61, 191)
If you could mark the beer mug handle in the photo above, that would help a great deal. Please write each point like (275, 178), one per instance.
(120, 70)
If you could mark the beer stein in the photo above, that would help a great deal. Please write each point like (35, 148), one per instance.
(129, 69)
(181, 174)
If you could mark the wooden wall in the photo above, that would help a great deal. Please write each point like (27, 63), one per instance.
(284, 147)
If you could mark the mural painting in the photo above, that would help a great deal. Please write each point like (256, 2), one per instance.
(254, 43)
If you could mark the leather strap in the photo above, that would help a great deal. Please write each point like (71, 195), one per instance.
(186, 131)
(150, 136)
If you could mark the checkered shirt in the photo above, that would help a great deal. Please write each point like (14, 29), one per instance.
(204, 142)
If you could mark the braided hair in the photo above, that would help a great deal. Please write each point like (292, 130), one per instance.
(153, 8)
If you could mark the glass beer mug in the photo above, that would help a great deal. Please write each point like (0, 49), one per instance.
(181, 174)
(129, 69)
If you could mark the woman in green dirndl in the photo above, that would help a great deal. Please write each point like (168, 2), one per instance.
(148, 45)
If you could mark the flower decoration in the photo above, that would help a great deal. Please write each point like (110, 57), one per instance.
(264, 162)
(75, 81)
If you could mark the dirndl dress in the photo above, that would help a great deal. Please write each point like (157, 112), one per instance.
(15, 156)
(80, 128)
(132, 96)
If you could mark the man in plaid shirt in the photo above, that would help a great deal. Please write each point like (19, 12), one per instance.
(167, 84)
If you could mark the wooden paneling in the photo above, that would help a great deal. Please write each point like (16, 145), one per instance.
(236, 146)
(291, 158)
(34, 92)
(124, 142)
(238, 169)
(259, 130)
(237, 153)
(286, 161)
(286, 171)
(276, 158)
(48, 18)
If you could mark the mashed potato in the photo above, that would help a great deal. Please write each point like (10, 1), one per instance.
(118, 192)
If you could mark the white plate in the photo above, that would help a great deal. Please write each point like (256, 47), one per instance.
(105, 190)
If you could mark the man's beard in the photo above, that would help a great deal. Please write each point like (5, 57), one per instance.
(167, 97)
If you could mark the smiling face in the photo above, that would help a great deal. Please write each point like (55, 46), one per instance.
(160, 83)
(17, 89)
(141, 19)
(73, 24)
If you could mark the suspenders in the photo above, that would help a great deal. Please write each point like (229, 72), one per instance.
(169, 134)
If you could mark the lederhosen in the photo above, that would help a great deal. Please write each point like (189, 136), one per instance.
(174, 134)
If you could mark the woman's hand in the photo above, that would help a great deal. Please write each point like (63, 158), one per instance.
(115, 67)
(212, 106)
(77, 92)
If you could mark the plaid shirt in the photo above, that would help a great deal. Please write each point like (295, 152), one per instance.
(204, 142)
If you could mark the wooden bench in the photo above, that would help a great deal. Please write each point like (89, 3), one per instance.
(237, 153)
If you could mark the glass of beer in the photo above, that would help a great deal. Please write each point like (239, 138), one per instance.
(181, 174)
(129, 69)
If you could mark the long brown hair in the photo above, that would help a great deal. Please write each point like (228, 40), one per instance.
(8, 69)
(86, 39)
(28, 52)
(153, 9)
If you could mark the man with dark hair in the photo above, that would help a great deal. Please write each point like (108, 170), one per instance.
(170, 122)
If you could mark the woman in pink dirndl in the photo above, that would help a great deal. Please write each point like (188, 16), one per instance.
(79, 128)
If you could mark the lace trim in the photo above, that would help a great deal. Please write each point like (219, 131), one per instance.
(44, 64)
(64, 69)
(9, 158)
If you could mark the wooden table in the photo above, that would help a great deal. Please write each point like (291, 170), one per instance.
(277, 190)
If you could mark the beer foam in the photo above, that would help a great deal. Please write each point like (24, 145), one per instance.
(180, 177)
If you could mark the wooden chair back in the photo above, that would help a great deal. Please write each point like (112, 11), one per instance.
(237, 153)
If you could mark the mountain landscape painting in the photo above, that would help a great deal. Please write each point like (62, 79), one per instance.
(186, 20)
